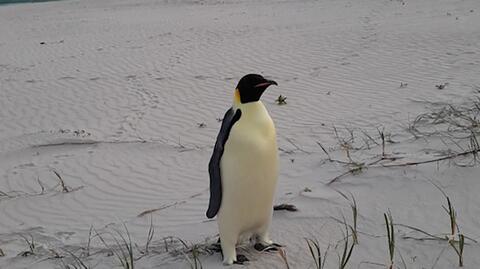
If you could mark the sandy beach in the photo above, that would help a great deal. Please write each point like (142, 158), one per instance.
(109, 111)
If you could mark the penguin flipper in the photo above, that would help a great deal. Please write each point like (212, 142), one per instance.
(214, 165)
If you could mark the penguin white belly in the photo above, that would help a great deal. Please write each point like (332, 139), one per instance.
(249, 170)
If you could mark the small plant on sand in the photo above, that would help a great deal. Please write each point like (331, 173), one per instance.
(454, 238)
(86, 251)
(354, 207)
(78, 263)
(2, 254)
(474, 146)
(452, 214)
(390, 237)
(384, 137)
(456, 245)
(127, 255)
(459, 123)
(43, 189)
(151, 233)
(347, 250)
(441, 86)
(281, 100)
(316, 254)
(191, 252)
(346, 144)
(355, 169)
(194, 257)
(123, 249)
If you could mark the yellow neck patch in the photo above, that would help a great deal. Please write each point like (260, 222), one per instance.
(236, 98)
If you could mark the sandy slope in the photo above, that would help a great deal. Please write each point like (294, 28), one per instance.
(122, 98)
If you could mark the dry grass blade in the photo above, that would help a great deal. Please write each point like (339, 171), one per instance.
(196, 258)
(151, 232)
(456, 245)
(42, 188)
(369, 137)
(31, 246)
(146, 212)
(146, 248)
(125, 259)
(450, 156)
(87, 248)
(460, 122)
(296, 146)
(459, 249)
(325, 151)
(452, 216)
(357, 168)
(390, 237)
(354, 207)
(474, 146)
(430, 236)
(194, 261)
(347, 250)
(382, 137)
(79, 262)
(62, 183)
(128, 257)
(316, 253)
(283, 255)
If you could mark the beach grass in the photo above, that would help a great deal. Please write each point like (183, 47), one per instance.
(390, 237)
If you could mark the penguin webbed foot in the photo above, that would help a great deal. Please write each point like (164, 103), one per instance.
(267, 248)
(241, 259)
(215, 247)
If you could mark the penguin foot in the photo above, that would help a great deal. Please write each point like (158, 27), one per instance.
(241, 259)
(267, 248)
(215, 247)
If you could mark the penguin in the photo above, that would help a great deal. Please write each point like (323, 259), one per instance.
(243, 170)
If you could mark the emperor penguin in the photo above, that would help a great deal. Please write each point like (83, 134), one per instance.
(244, 169)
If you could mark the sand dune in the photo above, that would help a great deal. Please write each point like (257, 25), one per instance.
(122, 100)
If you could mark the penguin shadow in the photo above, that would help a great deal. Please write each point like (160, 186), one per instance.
(241, 258)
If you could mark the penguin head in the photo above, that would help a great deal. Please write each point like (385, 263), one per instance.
(251, 87)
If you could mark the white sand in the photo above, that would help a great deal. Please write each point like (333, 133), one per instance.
(140, 76)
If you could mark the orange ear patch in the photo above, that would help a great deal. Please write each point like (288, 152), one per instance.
(236, 97)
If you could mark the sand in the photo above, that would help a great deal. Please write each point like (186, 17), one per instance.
(122, 100)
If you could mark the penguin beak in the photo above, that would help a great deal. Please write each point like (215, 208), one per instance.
(265, 84)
